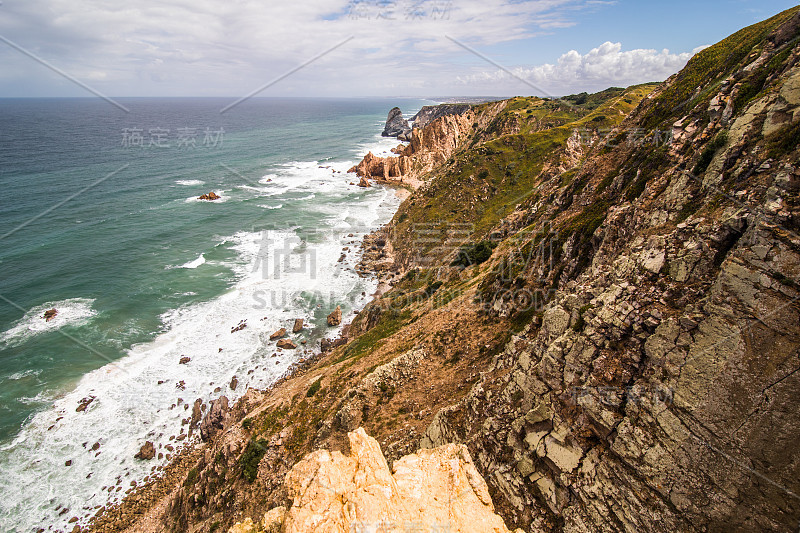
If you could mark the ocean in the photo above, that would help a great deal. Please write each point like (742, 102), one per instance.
(100, 220)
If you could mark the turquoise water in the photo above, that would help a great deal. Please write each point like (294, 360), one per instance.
(111, 234)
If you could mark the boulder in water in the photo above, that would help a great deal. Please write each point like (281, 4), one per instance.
(335, 318)
(395, 124)
(146, 452)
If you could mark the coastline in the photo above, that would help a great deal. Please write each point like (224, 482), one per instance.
(141, 502)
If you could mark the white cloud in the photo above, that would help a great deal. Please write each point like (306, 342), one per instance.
(208, 47)
(605, 66)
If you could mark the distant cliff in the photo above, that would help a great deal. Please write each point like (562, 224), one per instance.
(429, 113)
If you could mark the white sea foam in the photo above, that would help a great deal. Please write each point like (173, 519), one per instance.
(194, 263)
(281, 275)
(74, 311)
(190, 182)
(25, 374)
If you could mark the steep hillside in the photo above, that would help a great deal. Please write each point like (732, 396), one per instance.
(598, 296)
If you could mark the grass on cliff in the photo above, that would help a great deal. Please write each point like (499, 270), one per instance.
(714, 63)
(483, 184)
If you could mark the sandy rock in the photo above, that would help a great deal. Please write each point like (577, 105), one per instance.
(298, 325)
(278, 334)
(331, 492)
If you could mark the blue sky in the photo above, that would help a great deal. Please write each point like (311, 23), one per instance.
(355, 47)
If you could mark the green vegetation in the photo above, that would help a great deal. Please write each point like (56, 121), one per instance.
(191, 477)
(314, 388)
(593, 101)
(252, 455)
(716, 63)
(484, 183)
(473, 254)
(784, 141)
(389, 323)
(432, 288)
(755, 83)
(247, 423)
(710, 151)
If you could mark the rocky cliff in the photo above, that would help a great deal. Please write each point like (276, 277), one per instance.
(428, 147)
(599, 300)
(655, 388)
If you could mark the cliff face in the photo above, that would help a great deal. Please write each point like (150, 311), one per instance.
(428, 148)
(656, 389)
(600, 301)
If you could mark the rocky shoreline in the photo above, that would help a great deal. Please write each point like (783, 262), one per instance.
(376, 260)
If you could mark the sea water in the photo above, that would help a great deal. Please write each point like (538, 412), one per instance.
(100, 219)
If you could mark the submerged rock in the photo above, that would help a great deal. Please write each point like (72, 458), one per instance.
(84, 403)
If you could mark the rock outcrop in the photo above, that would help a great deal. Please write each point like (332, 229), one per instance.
(215, 418)
(50, 314)
(211, 196)
(429, 491)
(656, 391)
(286, 344)
(395, 124)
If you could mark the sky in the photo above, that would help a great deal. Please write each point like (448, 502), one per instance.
(355, 48)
